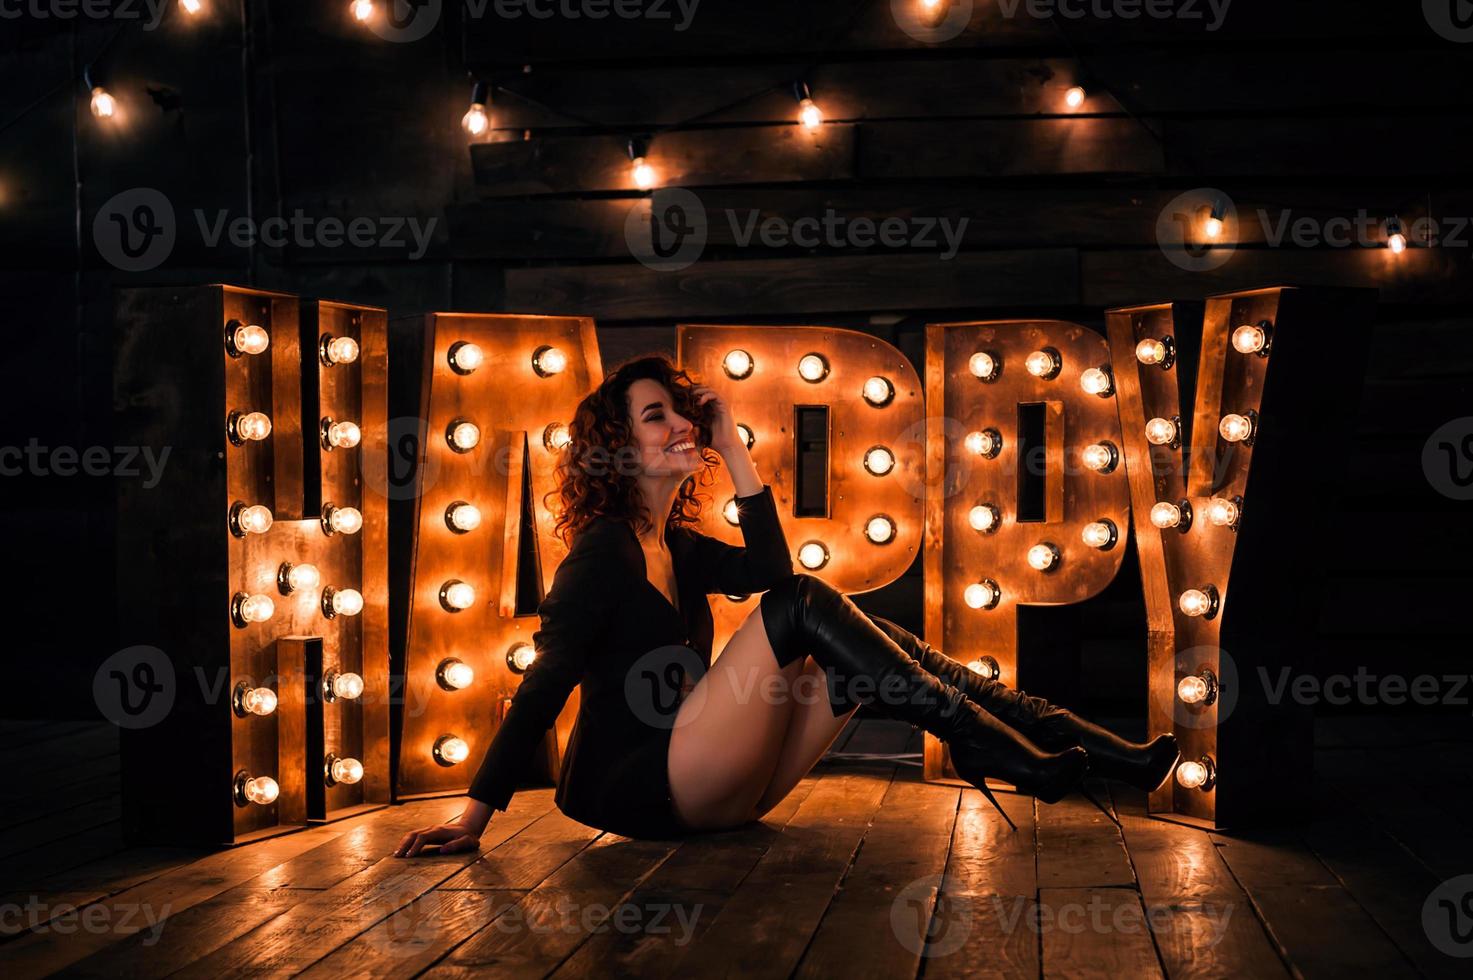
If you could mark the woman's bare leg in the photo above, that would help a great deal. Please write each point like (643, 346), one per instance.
(811, 730)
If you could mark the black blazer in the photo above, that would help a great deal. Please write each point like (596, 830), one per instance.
(606, 627)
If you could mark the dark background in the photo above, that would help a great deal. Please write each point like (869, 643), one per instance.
(264, 108)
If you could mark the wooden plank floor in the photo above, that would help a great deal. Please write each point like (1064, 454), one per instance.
(864, 869)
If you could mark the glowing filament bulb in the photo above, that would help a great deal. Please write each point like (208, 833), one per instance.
(260, 701)
(737, 364)
(1100, 457)
(103, 105)
(1165, 514)
(252, 426)
(455, 675)
(1198, 602)
(298, 578)
(450, 750)
(1396, 239)
(521, 656)
(547, 361)
(1043, 556)
(983, 366)
(1043, 363)
(255, 608)
(880, 529)
(190, 6)
(642, 174)
(1161, 432)
(986, 667)
(344, 602)
(813, 555)
(987, 442)
(261, 790)
(1213, 226)
(813, 367)
(1099, 534)
(342, 520)
(809, 114)
(346, 685)
(362, 10)
(456, 595)
(339, 350)
(556, 436)
(465, 357)
(464, 436)
(747, 435)
(731, 512)
(1074, 98)
(1199, 688)
(984, 518)
(345, 770)
(462, 516)
(982, 595)
(1195, 773)
(1235, 428)
(1096, 381)
(879, 460)
(1151, 351)
(475, 121)
(878, 391)
(1250, 339)
(342, 435)
(248, 338)
(1222, 512)
(255, 519)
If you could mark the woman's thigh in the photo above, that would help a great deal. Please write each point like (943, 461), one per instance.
(812, 728)
(728, 732)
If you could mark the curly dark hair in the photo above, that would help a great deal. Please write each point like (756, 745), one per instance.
(594, 472)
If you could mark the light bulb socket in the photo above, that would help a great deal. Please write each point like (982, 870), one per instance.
(455, 366)
(1056, 362)
(821, 548)
(1113, 460)
(326, 519)
(894, 532)
(872, 450)
(1213, 601)
(1169, 358)
(450, 435)
(439, 751)
(328, 779)
(454, 505)
(994, 670)
(231, 327)
(237, 616)
(1210, 782)
(232, 428)
(445, 596)
(328, 612)
(888, 397)
(1237, 514)
(1219, 209)
(239, 789)
(1114, 538)
(324, 433)
(1185, 506)
(994, 439)
(442, 672)
(537, 361)
(236, 528)
(481, 93)
(1268, 337)
(1175, 442)
(238, 697)
(1252, 416)
(284, 578)
(1055, 562)
(801, 90)
(993, 590)
(1209, 678)
(822, 360)
(637, 146)
(511, 658)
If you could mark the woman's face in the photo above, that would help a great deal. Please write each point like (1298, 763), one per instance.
(666, 440)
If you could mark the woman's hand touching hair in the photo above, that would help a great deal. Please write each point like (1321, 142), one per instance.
(720, 424)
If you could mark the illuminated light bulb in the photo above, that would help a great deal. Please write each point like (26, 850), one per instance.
(103, 104)
(340, 435)
(1161, 432)
(986, 443)
(1097, 381)
(982, 595)
(248, 427)
(880, 529)
(362, 10)
(261, 790)
(547, 361)
(879, 392)
(1396, 239)
(255, 519)
(983, 365)
(1199, 688)
(556, 436)
(878, 460)
(246, 608)
(341, 602)
(813, 555)
(341, 520)
(737, 364)
(1223, 512)
(813, 367)
(747, 435)
(1199, 602)
(476, 120)
(1044, 363)
(1074, 98)
(1236, 428)
(1197, 773)
(191, 6)
(338, 350)
(986, 667)
(984, 518)
(456, 595)
(1251, 338)
(465, 357)
(462, 517)
(1102, 457)
(1101, 534)
(450, 750)
(642, 173)
(454, 674)
(248, 700)
(1213, 226)
(346, 685)
(297, 578)
(1043, 557)
(347, 771)
(809, 114)
(520, 657)
(246, 338)
(1155, 351)
(1165, 514)
(463, 435)
(731, 512)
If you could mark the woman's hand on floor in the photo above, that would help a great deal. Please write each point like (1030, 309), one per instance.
(452, 838)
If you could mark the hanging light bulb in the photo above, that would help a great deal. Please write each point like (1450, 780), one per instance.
(880, 529)
(556, 437)
(454, 674)
(1165, 514)
(1101, 457)
(520, 657)
(1199, 688)
(337, 350)
(339, 435)
(346, 771)
(244, 427)
(1101, 534)
(878, 391)
(984, 518)
(341, 602)
(450, 750)
(1199, 602)
(462, 517)
(987, 667)
(463, 435)
(813, 368)
(346, 685)
(1253, 338)
(456, 595)
(248, 700)
(255, 519)
(1396, 239)
(246, 609)
(878, 460)
(1044, 364)
(1097, 381)
(297, 578)
(1156, 351)
(1213, 226)
(1238, 428)
(986, 443)
(810, 116)
(747, 435)
(103, 104)
(245, 338)
(1163, 432)
(982, 595)
(1074, 98)
(465, 357)
(813, 555)
(362, 10)
(476, 121)
(261, 790)
(737, 364)
(1044, 557)
(1197, 773)
(191, 6)
(640, 172)
(1224, 512)
(341, 520)
(984, 365)
(731, 512)
(548, 360)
